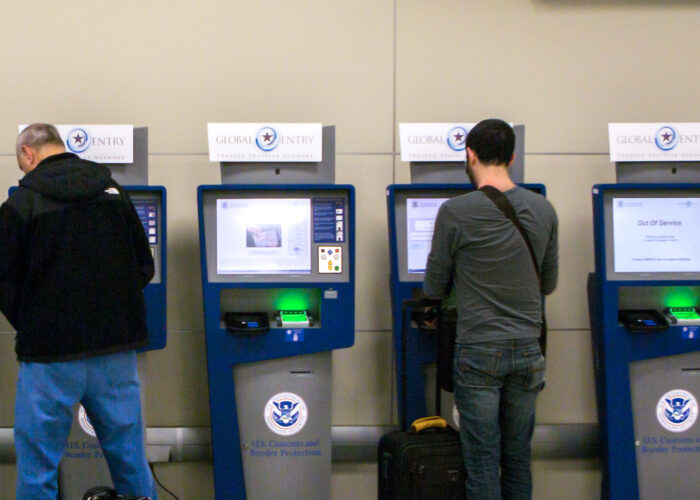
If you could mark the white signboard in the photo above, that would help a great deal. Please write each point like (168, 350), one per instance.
(654, 141)
(98, 143)
(265, 142)
(433, 141)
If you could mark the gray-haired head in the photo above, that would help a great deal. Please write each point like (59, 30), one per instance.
(38, 135)
(37, 142)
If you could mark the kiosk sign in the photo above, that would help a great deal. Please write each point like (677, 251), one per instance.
(433, 141)
(654, 142)
(265, 142)
(98, 143)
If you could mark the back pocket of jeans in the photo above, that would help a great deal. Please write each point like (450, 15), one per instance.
(476, 363)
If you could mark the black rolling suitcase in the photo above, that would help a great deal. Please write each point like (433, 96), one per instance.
(426, 465)
(425, 462)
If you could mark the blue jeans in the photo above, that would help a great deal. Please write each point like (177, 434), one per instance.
(496, 385)
(108, 387)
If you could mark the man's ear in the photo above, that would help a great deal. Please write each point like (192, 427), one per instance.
(512, 159)
(29, 153)
(470, 155)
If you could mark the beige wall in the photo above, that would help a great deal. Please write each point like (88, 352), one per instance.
(565, 68)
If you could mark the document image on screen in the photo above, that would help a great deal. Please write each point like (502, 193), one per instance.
(265, 236)
(420, 223)
(656, 235)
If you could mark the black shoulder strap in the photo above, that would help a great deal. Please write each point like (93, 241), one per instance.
(505, 206)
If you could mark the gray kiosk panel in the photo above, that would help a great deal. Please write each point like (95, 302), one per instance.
(296, 458)
(663, 172)
(667, 461)
(135, 173)
(322, 172)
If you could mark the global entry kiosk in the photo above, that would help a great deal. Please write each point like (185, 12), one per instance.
(645, 322)
(278, 264)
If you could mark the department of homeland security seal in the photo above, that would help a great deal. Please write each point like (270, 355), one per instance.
(84, 422)
(677, 410)
(78, 140)
(285, 414)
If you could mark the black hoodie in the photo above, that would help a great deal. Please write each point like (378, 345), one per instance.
(74, 259)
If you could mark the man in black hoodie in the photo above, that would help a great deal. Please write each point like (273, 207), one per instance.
(73, 263)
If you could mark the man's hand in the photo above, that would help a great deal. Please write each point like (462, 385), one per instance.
(430, 317)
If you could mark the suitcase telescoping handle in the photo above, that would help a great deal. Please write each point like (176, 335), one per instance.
(407, 304)
(426, 423)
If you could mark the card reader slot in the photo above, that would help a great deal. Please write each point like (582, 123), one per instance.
(643, 320)
(246, 323)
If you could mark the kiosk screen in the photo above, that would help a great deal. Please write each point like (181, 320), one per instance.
(656, 235)
(420, 222)
(265, 236)
(148, 215)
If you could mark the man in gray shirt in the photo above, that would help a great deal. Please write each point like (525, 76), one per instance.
(499, 367)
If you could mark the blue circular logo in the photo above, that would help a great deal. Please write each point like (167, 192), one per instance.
(267, 138)
(666, 138)
(78, 140)
(457, 138)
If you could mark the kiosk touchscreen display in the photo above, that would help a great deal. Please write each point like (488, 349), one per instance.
(420, 223)
(656, 235)
(265, 236)
(148, 205)
(652, 234)
(147, 210)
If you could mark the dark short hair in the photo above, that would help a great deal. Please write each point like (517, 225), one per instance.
(493, 141)
(38, 135)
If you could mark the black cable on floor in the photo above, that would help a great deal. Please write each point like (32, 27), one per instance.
(153, 471)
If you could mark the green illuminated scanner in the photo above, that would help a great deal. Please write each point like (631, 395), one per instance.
(294, 318)
(684, 314)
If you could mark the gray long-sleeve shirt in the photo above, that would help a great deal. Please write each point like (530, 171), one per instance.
(479, 249)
